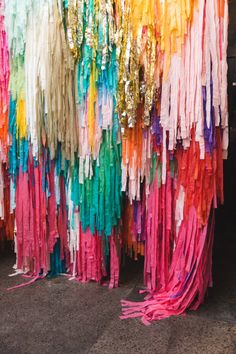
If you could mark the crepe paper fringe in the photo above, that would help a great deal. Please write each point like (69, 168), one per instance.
(188, 278)
(6, 218)
(113, 130)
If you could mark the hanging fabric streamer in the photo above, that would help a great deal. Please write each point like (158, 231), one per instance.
(6, 217)
(114, 117)
(65, 142)
(188, 126)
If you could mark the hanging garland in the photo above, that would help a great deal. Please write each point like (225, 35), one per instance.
(118, 126)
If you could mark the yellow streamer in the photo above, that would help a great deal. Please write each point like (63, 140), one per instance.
(21, 119)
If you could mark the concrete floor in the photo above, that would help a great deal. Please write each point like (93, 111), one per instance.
(62, 316)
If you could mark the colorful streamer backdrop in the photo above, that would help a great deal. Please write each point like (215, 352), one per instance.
(113, 131)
